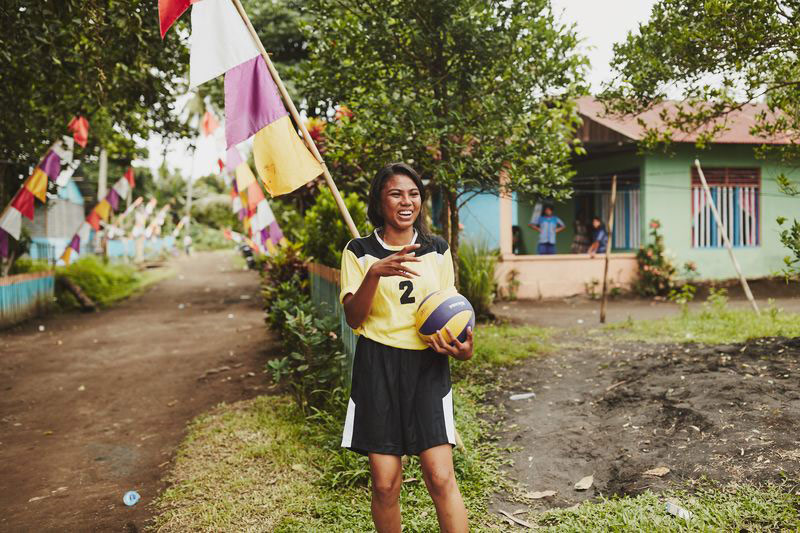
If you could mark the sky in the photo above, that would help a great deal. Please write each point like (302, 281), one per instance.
(599, 23)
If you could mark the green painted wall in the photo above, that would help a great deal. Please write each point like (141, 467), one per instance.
(666, 196)
(530, 238)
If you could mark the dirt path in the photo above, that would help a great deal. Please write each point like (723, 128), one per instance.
(95, 405)
(615, 410)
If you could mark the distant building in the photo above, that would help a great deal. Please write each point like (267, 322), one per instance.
(55, 222)
(650, 186)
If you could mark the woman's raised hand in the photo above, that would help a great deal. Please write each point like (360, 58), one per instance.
(393, 264)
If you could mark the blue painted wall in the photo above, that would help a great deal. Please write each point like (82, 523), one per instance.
(481, 219)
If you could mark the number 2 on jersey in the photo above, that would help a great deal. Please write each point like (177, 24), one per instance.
(406, 297)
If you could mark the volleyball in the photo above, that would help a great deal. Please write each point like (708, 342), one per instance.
(445, 309)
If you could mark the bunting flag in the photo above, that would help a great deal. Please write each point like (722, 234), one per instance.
(122, 188)
(209, 124)
(253, 106)
(244, 177)
(282, 160)
(66, 255)
(11, 222)
(51, 165)
(23, 202)
(219, 41)
(93, 220)
(113, 198)
(169, 11)
(232, 158)
(103, 209)
(129, 177)
(254, 196)
(75, 243)
(37, 184)
(79, 127)
(84, 231)
(252, 100)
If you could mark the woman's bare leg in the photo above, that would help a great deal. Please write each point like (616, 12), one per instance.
(437, 469)
(387, 478)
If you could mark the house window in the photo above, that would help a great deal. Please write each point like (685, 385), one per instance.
(735, 192)
(627, 229)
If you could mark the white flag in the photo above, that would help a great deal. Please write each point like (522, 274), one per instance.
(264, 214)
(12, 222)
(122, 187)
(220, 40)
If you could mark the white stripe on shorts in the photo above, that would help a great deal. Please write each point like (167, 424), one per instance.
(449, 422)
(347, 434)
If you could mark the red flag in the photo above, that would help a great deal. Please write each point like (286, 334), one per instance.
(129, 176)
(23, 202)
(169, 11)
(210, 123)
(94, 220)
(79, 127)
(221, 164)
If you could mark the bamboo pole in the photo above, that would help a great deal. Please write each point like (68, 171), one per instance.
(725, 238)
(296, 116)
(609, 234)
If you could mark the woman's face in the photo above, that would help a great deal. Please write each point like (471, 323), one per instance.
(400, 202)
(595, 223)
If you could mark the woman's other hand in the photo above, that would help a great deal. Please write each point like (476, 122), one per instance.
(458, 350)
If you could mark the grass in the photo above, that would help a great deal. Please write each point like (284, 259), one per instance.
(259, 465)
(715, 324)
(770, 508)
(106, 283)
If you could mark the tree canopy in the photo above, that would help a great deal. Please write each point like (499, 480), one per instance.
(103, 59)
(720, 55)
(464, 90)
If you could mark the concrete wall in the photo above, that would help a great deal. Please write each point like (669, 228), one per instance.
(666, 196)
(559, 276)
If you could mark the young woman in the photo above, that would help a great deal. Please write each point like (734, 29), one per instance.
(401, 402)
(600, 238)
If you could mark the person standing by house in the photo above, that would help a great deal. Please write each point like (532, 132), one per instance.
(548, 225)
(600, 237)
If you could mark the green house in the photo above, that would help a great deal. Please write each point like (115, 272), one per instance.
(660, 186)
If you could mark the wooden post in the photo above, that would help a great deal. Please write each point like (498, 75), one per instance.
(296, 116)
(725, 238)
(609, 233)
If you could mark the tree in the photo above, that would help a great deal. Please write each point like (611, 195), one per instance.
(103, 59)
(722, 55)
(464, 90)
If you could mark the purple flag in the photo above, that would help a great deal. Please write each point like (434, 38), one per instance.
(51, 165)
(275, 233)
(113, 199)
(3, 243)
(264, 235)
(75, 243)
(251, 100)
(232, 160)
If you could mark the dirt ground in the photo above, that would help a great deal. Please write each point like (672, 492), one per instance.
(616, 410)
(96, 404)
(580, 311)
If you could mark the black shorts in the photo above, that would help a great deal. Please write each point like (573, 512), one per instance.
(401, 401)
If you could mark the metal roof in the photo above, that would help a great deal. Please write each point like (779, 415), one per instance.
(737, 124)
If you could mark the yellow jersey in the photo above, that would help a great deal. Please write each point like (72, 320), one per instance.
(391, 319)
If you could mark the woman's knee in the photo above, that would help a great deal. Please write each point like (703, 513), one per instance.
(387, 488)
(440, 479)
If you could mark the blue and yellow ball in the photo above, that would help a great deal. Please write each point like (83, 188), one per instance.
(445, 309)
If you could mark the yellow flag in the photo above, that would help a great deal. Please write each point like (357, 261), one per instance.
(37, 184)
(244, 177)
(66, 255)
(283, 161)
(103, 209)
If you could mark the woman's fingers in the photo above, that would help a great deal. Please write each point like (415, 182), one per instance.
(445, 345)
(458, 345)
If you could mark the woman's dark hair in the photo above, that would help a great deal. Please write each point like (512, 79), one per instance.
(374, 207)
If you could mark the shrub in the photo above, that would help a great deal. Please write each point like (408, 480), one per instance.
(207, 238)
(658, 275)
(104, 283)
(314, 368)
(325, 234)
(476, 264)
